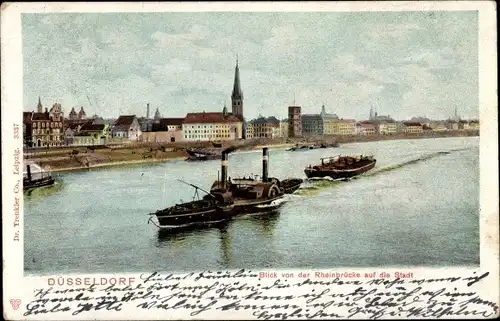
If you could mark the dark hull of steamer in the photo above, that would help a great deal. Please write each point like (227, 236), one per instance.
(319, 171)
(30, 183)
(202, 217)
(213, 213)
(43, 182)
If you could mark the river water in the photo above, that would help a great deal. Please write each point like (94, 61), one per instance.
(418, 207)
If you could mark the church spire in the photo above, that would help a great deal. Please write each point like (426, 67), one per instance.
(237, 93)
(237, 99)
(39, 107)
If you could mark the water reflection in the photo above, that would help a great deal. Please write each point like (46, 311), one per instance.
(166, 236)
(225, 245)
(42, 192)
(265, 222)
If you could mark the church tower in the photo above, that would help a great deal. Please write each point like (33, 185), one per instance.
(237, 94)
(323, 110)
(157, 114)
(39, 107)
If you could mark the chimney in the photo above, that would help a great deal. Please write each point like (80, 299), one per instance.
(223, 169)
(46, 110)
(265, 158)
(147, 111)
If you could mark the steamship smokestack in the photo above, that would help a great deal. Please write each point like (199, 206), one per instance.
(223, 169)
(265, 158)
(28, 170)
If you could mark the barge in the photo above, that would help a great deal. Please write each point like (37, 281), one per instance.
(341, 167)
(202, 154)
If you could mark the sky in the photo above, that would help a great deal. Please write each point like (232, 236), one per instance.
(402, 64)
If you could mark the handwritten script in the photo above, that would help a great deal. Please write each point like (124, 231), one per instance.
(247, 294)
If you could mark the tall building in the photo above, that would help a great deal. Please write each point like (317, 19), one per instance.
(211, 126)
(312, 124)
(73, 115)
(263, 128)
(237, 99)
(157, 114)
(43, 129)
(39, 107)
(237, 94)
(82, 114)
(294, 121)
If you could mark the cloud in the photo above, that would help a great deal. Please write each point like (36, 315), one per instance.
(436, 59)
(405, 64)
(182, 40)
(89, 49)
(284, 39)
(390, 32)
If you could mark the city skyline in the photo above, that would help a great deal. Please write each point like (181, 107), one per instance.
(403, 64)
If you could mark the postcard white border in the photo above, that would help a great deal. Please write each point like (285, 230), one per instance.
(18, 286)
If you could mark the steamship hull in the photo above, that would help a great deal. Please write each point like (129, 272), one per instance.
(206, 216)
(39, 179)
(213, 214)
(43, 182)
(245, 206)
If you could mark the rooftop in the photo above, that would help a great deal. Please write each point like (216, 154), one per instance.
(41, 116)
(263, 120)
(92, 127)
(171, 121)
(211, 117)
(124, 121)
(27, 116)
(407, 123)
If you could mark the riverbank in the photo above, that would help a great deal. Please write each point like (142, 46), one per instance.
(82, 158)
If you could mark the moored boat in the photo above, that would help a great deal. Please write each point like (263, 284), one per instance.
(202, 154)
(340, 167)
(298, 147)
(35, 177)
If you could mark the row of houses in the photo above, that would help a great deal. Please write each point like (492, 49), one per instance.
(49, 128)
(331, 125)
(350, 127)
(300, 125)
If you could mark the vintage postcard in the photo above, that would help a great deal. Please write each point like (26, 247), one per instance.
(244, 160)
